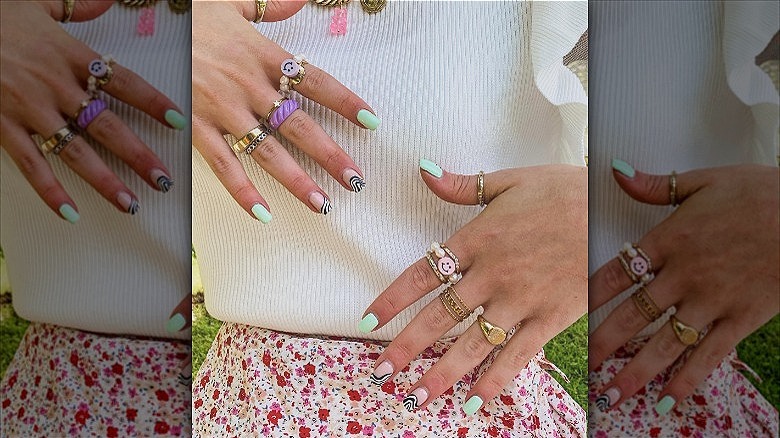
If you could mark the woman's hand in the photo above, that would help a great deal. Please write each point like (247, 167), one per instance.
(236, 73)
(523, 259)
(716, 260)
(44, 78)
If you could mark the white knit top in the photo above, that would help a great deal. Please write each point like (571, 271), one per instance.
(674, 86)
(470, 85)
(110, 272)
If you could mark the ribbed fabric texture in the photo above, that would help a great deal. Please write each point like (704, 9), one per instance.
(454, 82)
(658, 81)
(110, 272)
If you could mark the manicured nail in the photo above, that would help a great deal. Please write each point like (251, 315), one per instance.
(185, 375)
(416, 398)
(665, 405)
(623, 167)
(368, 119)
(163, 181)
(176, 323)
(608, 398)
(69, 213)
(473, 405)
(368, 323)
(431, 167)
(320, 202)
(354, 180)
(128, 203)
(382, 373)
(175, 119)
(261, 213)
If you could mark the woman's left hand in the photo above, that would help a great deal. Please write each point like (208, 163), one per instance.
(523, 259)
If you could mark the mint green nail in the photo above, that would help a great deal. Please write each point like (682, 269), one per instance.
(431, 167)
(623, 167)
(69, 213)
(176, 323)
(175, 119)
(368, 323)
(261, 213)
(368, 119)
(665, 405)
(473, 405)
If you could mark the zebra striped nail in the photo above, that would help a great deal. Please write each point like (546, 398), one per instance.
(354, 180)
(320, 202)
(163, 181)
(415, 399)
(382, 373)
(607, 399)
(128, 203)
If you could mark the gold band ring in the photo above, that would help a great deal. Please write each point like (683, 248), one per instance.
(455, 306)
(685, 333)
(57, 142)
(673, 189)
(494, 334)
(251, 139)
(646, 306)
(481, 188)
(447, 265)
(277, 104)
(70, 5)
(636, 263)
(260, 4)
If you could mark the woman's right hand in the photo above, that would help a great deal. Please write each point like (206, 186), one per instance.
(44, 77)
(235, 78)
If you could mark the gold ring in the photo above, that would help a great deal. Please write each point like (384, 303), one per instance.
(673, 189)
(446, 266)
(646, 306)
(58, 141)
(277, 104)
(260, 4)
(685, 333)
(636, 263)
(70, 5)
(481, 188)
(455, 306)
(253, 137)
(494, 334)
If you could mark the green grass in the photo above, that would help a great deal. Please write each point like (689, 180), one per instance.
(569, 352)
(761, 351)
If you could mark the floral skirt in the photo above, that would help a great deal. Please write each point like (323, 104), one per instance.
(257, 382)
(65, 382)
(724, 404)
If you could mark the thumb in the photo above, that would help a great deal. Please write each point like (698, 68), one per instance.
(463, 189)
(82, 10)
(278, 10)
(655, 189)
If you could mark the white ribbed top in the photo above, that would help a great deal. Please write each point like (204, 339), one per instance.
(110, 272)
(469, 85)
(674, 87)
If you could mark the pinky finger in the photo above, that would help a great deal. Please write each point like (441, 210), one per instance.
(36, 170)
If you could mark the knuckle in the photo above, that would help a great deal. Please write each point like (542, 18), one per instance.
(490, 384)
(628, 318)
(243, 191)
(435, 380)
(516, 359)
(436, 317)
(105, 125)
(475, 348)
(400, 352)
(656, 185)
(221, 164)
(332, 158)
(667, 346)
(299, 125)
(315, 78)
(387, 301)
(462, 188)
(76, 151)
(298, 184)
(266, 152)
(29, 164)
(122, 79)
(614, 276)
(419, 275)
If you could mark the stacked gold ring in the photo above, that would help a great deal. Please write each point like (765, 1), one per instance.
(57, 142)
(494, 334)
(251, 139)
(481, 188)
(673, 189)
(260, 5)
(685, 333)
(646, 306)
(276, 105)
(455, 306)
(70, 5)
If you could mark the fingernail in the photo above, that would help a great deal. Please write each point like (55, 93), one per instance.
(175, 119)
(608, 398)
(176, 323)
(382, 373)
(354, 180)
(128, 203)
(665, 405)
(623, 167)
(368, 119)
(473, 405)
(431, 167)
(163, 181)
(185, 375)
(368, 323)
(320, 202)
(416, 398)
(69, 213)
(261, 213)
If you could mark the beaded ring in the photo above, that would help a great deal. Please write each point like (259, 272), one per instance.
(447, 267)
(292, 74)
(636, 263)
(100, 72)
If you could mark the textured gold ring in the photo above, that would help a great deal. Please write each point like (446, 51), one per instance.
(277, 104)
(494, 334)
(58, 141)
(673, 189)
(646, 306)
(685, 333)
(481, 188)
(260, 4)
(253, 137)
(455, 306)
(70, 5)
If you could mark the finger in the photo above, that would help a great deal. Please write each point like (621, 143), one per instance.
(82, 10)
(660, 352)
(278, 10)
(462, 189)
(626, 320)
(181, 317)
(36, 170)
(656, 189)
(415, 282)
(466, 354)
(308, 136)
(229, 171)
(714, 347)
(185, 372)
(611, 279)
(514, 357)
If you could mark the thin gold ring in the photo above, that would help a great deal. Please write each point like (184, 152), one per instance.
(645, 304)
(454, 305)
(685, 333)
(494, 334)
(481, 188)
(260, 4)
(277, 104)
(258, 133)
(673, 189)
(70, 5)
